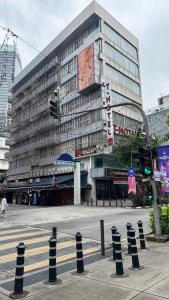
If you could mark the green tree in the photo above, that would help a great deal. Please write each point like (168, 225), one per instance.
(122, 151)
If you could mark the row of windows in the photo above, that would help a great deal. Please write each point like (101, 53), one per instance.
(78, 42)
(120, 41)
(80, 101)
(68, 87)
(122, 120)
(71, 66)
(121, 60)
(76, 143)
(122, 80)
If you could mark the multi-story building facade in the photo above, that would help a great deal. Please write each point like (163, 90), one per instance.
(94, 62)
(10, 66)
(157, 117)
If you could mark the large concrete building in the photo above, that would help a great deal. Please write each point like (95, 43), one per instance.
(10, 66)
(157, 117)
(95, 62)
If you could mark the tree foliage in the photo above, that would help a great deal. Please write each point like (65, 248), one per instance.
(122, 151)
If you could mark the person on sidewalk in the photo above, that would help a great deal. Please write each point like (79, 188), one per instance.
(4, 206)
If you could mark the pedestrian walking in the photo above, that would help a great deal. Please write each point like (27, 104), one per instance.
(4, 206)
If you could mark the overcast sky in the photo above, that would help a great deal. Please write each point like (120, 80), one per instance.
(39, 21)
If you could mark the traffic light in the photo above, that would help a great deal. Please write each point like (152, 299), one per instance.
(146, 161)
(55, 109)
(149, 193)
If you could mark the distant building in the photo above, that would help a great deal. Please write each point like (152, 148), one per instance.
(95, 62)
(10, 66)
(157, 117)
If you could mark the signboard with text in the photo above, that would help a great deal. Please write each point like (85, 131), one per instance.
(108, 114)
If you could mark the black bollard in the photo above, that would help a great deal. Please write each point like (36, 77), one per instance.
(109, 203)
(128, 226)
(96, 202)
(79, 253)
(135, 260)
(141, 235)
(102, 237)
(19, 274)
(103, 203)
(52, 260)
(91, 201)
(87, 202)
(114, 230)
(119, 260)
(52, 263)
(121, 203)
(54, 232)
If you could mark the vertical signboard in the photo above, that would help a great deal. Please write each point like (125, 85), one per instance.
(85, 68)
(163, 160)
(108, 115)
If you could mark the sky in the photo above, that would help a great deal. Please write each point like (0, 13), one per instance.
(39, 21)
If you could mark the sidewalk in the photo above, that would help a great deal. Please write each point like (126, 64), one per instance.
(151, 283)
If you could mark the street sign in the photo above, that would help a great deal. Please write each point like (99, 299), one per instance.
(64, 163)
(131, 172)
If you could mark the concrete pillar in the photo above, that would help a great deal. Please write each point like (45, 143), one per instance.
(93, 191)
(77, 184)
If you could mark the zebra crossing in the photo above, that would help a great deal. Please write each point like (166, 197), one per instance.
(37, 248)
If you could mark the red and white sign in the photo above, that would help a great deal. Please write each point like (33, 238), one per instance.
(107, 101)
(122, 130)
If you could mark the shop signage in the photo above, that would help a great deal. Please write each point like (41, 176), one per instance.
(65, 159)
(88, 150)
(107, 101)
(122, 130)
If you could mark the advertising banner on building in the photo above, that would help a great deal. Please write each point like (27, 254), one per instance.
(85, 68)
(108, 115)
(163, 161)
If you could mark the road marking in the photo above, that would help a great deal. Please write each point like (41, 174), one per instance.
(35, 251)
(45, 263)
(15, 231)
(20, 235)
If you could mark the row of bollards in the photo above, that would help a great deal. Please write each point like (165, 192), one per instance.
(116, 254)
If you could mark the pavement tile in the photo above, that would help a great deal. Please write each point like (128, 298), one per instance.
(161, 288)
(85, 289)
(144, 296)
(137, 280)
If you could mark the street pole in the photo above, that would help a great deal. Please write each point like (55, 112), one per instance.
(153, 184)
(148, 142)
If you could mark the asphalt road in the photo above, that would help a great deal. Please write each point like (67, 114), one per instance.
(70, 219)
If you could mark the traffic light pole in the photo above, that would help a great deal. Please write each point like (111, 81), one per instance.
(148, 142)
(153, 184)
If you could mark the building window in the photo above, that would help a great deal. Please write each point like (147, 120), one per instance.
(122, 80)
(120, 41)
(121, 59)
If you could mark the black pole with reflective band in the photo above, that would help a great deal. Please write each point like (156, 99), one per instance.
(128, 226)
(79, 253)
(141, 235)
(19, 273)
(134, 254)
(113, 230)
(54, 232)
(102, 237)
(52, 260)
(118, 253)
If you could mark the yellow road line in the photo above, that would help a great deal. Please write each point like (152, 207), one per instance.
(20, 235)
(15, 231)
(45, 263)
(38, 250)
(27, 242)
(35, 251)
